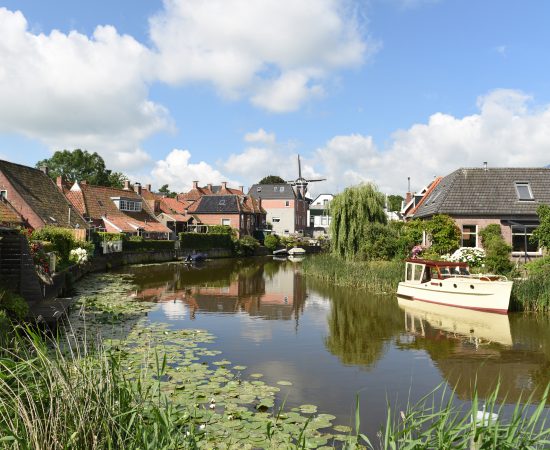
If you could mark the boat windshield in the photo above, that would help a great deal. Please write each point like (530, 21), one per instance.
(464, 271)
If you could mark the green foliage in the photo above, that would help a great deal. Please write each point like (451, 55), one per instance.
(147, 245)
(409, 234)
(271, 179)
(289, 241)
(246, 246)
(443, 233)
(200, 241)
(164, 190)
(271, 242)
(351, 211)
(12, 304)
(134, 238)
(380, 242)
(394, 202)
(109, 237)
(63, 240)
(532, 293)
(222, 229)
(489, 232)
(542, 232)
(375, 276)
(540, 266)
(78, 165)
(497, 251)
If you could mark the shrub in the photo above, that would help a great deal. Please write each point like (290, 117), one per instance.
(497, 251)
(474, 256)
(539, 267)
(542, 233)
(409, 235)
(271, 242)
(12, 304)
(380, 242)
(78, 256)
(108, 237)
(200, 241)
(62, 240)
(221, 229)
(246, 246)
(444, 234)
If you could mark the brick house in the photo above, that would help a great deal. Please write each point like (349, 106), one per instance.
(285, 206)
(477, 197)
(116, 210)
(34, 197)
(241, 212)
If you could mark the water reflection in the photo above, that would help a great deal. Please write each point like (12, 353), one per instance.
(322, 337)
(271, 291)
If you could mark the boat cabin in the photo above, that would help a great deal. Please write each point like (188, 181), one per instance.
(423, 270)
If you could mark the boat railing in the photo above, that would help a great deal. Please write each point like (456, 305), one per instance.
(480, 276)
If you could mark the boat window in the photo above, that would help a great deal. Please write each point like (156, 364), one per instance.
(434, 273)
(418, 271)
(464, 271)
(409, 274)
(445, 272)
(455, 271)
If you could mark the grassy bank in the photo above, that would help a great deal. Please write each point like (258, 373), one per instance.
(531, 294)
(376, 276)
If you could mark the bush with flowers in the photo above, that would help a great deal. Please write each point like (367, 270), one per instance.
(473, 256)
(78, 256)
(40, 257)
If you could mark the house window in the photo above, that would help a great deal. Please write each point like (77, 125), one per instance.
(524, 191)
(259, 189)
(221, 202)
(281, 189)
(324, 220)
(274, 188)
(521, 239)
(3, 195)
(129, 205)
(325, 202)
(469, 235)
(287, 203)
(226, 222)
(276, 219)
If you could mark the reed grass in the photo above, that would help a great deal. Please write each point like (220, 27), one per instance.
(53, 399)
(375, 276)
(531, 294)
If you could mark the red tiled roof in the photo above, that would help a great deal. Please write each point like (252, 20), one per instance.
(96, 203)
(169, 205)
(426, 195)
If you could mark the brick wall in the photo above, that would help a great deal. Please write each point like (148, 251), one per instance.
(482, 223)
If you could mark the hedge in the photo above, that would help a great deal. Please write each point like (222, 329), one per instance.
(144, 246)
(200, 241)
(109, 237)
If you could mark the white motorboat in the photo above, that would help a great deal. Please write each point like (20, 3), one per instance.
(296, 251)
(450, 283)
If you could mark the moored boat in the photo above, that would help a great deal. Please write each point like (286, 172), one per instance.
(296, 251)
(450, 283)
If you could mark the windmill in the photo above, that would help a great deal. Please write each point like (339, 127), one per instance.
(300, 183)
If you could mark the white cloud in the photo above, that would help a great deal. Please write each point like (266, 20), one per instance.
(262, 48)
(506, 133)
(70, 90)
(502, 50)
(260, 136)
(178, 172)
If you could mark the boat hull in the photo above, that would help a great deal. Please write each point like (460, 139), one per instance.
(489, 296)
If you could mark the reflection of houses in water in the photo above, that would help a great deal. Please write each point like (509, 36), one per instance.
(280, 296)
(475, 348)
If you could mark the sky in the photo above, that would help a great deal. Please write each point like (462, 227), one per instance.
(173, 91)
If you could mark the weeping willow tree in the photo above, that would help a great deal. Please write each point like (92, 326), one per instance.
(351, 210)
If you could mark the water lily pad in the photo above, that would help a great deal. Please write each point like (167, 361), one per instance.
(342, 429)
(284, 383)
(256, 375)
(308, 409)
(239, 367)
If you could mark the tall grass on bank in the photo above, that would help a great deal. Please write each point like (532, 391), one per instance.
(376, 276)
(51, 400)
(435, 422)
(531, 294)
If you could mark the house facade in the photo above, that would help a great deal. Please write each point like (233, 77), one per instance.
(477, 197)
(117, 210)
(285, 207)
(318, 214)
(33, 196)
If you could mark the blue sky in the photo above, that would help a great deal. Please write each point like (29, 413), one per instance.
(377, 90)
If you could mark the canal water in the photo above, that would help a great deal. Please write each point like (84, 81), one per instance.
(335, 344)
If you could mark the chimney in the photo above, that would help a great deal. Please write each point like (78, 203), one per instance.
(408, 195)
(485, 166)
(224, 184)
(137, 188)
(195, 184)
(126, 185)
(60, 182)
(241, 188)
(45, 169)
(209, 186)
(148, 187)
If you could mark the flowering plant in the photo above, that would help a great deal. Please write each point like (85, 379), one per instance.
(79, 256)
(416, 250)
(474, 256)
(39, 256)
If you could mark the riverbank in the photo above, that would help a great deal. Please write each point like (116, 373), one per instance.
(116, 379)
(376, 276)
(531, 294)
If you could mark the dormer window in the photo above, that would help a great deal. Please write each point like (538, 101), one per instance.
(259, 189)
(524, 191)
(126, 205)
(222, 202)
(3, 195)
